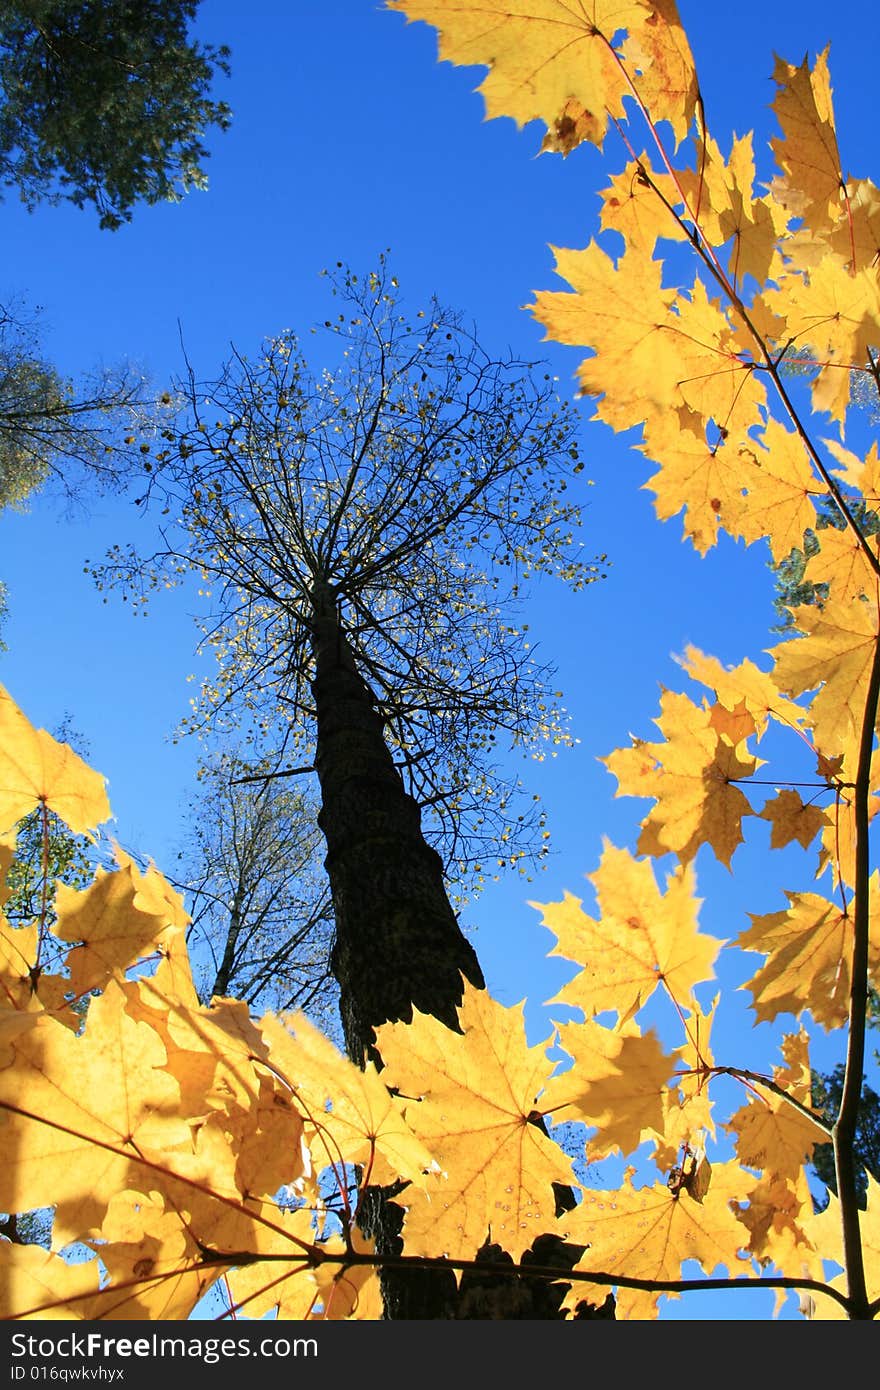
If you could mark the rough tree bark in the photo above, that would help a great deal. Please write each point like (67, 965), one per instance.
(398, 946)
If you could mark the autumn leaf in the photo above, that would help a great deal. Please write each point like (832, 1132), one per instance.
(213, 1051)
(807, 151)
(746, 684)
(24, 984)
(721, 202)
(36, 1283)
(772, 1134)
(691, 777)
(649, 1232)
(77, 1111)
(842, 563)
(353, 1115)
(643, 938)
(35, 768)
(550, 62)
(631, 207)
(836, 314)
(326, 1286)
(288, 1285)
(834, 658)
(114, 921)
(688, 1120)
(777, 1218)
(616, 309)
(824, 1230)
(616, 1084)
(155, 1267)
(792, 819)
(474, 1099)
(808, 948)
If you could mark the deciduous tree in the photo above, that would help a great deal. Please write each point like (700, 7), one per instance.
(174, 1162)
(365, 534)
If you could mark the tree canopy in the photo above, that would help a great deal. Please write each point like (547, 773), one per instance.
(105, 102)
(419, 483)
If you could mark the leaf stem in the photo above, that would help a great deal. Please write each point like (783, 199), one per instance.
(843, 1131)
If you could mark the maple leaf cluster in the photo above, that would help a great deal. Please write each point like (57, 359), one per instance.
(688, 332)
(185, 1145)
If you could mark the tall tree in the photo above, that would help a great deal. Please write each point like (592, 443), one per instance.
(364, 535)
(105, 102)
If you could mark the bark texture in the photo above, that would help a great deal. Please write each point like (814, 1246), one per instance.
(398, 946)
(398, 943)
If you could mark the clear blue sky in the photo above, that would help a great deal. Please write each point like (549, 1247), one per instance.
(348, 137)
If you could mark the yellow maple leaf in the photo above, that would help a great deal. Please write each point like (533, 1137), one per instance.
(696, 477)
(77, 1111)
(35, 768)
(213, 1050)
(857, 236)
(777, 482)
(271, 1152)
(687, 1106)
(842, 564)
(642, 939)
(649, 1232)
(837, 315)
(776, 1219)
(630, 206)
(617, 1084)
(23, 982)
(808, 948)
(774, 1135)
(720, 200)
(556, 64)
(861, 474)
(825, 1231)
(35, 1283)
(475, 1098)
(322, 1285)
(753, 488)
(351, 1113)
(659, 56)
(287, 1285)
(614, 309)
(156, 1270)
(808, 150)
(115, 921)
(348, 1290)
(691, 777)
(792, 819)
(833, 658)
(745, 683)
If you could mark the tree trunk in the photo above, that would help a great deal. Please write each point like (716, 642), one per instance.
(398, 946)
(398, 943)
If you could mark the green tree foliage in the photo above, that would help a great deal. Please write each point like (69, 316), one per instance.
(827, 1092)
(52, 428)
(53, 431)
(105, 102)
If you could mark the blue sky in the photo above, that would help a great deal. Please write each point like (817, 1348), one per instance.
(348, 137)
